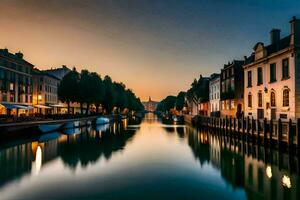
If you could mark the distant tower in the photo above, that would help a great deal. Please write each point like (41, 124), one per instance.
(149, 99)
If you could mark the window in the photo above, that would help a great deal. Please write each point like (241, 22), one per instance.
(249, 78)
(273, 72)
(232, 106)
(259, 76)
(285, 68)
(249, 100)
(286, 97)
(273, 99)
(259, 97)
(11, 86)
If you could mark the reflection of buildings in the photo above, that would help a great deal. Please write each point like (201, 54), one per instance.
(250, 171)
(150, 105)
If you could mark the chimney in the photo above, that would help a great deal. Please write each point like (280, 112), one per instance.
(275, 36)
(295, 31)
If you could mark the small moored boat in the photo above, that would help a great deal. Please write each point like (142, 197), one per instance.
(46, 128)
(102, 120)
(71, 125)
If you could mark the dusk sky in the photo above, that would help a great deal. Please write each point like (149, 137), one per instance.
(155, 47)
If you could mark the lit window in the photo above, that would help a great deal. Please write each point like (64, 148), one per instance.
(259, 96)
(273, 99)
(232, 105)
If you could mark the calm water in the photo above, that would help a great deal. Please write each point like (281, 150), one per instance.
(144, 161)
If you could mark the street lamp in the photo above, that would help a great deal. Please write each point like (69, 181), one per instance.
(38, 100)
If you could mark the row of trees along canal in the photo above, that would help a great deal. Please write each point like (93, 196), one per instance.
(88, 88)
(197, 93)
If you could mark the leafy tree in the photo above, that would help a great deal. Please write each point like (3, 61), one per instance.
(67, 89)
(199, 91)
(180, 99)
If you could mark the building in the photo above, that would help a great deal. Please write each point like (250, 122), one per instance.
(199, 104)
(15, 84)
(272, 77)
(150, 105)
(45, 98)
(214, 95)
(232, 89)
(59, 72)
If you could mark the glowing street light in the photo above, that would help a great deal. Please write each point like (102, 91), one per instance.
(269, 172)
(286, 181)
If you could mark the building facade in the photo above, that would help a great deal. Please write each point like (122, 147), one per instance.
(45, 95)
(150, 105)
(272, 77)
(15, 84)
(214, 95)
(232, 89)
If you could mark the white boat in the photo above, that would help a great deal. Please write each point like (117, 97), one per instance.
(71, 125)
(102, 127)
(102, 120)
(46, 128)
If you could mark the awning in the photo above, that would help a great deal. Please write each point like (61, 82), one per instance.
(59, 105)
(16, 106)
(42, 106)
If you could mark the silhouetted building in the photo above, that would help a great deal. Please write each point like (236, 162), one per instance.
(150, 105)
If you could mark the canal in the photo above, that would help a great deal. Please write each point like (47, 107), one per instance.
(148, 160)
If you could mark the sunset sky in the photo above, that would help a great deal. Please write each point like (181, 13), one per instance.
(155, 47)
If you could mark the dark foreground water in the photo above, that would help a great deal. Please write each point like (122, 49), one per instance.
(145, 161)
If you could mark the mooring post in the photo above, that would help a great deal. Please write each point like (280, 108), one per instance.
(298, 134)
(271, 132)
(279, 137)
(247, 125)
(290, 134)
(265, 131)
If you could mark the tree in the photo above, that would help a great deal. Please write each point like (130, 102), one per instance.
(199, 91)
(180, 99)
(67, 89)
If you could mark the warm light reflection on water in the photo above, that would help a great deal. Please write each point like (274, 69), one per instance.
(147, 160)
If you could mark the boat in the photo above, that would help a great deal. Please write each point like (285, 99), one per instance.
(102, 120)
(49, 136)
(46, 128)
(102, 127)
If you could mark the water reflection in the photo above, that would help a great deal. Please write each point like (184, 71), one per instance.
(148, 160)
(73, 146)
(263, 173)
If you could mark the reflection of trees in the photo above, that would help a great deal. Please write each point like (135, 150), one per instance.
(84, 148)
(88, 148)
(200, 150)
(15, 162)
